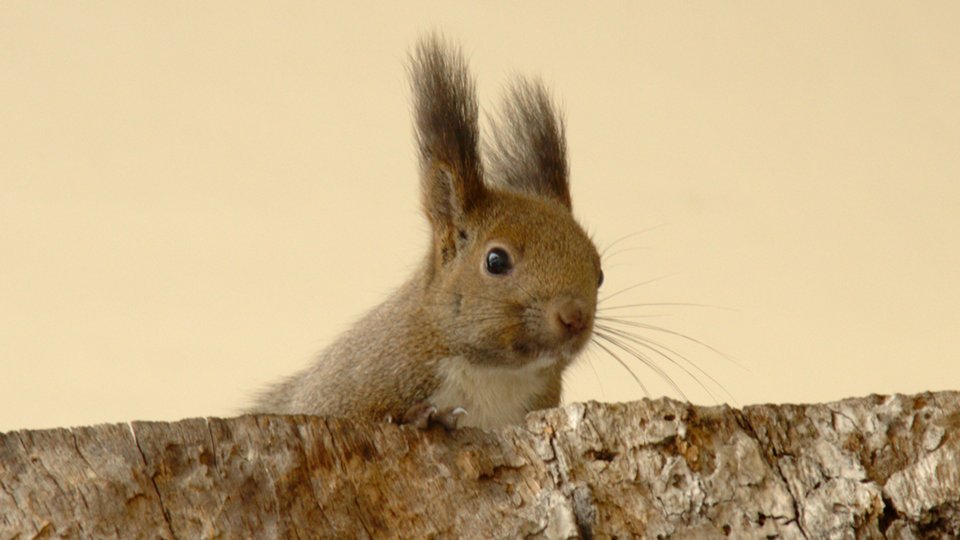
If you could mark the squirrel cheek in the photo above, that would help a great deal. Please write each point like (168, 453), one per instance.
(511, 336)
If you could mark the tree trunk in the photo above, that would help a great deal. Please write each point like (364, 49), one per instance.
(860, 468)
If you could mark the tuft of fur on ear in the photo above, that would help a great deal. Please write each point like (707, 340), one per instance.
(529, 149)
(447, 135)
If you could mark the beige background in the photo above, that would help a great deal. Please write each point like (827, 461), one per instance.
(194, 199)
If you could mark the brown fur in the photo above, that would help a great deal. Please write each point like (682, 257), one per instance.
(455, 330)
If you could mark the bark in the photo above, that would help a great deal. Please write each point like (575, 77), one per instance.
(860, 468)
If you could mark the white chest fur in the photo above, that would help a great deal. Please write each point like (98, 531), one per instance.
(492, 396)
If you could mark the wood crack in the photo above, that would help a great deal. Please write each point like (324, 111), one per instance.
(153, 482)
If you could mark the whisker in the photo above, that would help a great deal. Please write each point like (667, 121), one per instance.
(594, 369)
(662, 350)
(631, 287)
(650, 363)
(680, 335)
(608, 266)
(669, 359)
(532, 307)
(657, 304)
(631, 235)
(490, 318)
(474, 295)
(530, 297)
(639, 316)
(647, 362)
(604, 251)
(625, 250)
(621, 362)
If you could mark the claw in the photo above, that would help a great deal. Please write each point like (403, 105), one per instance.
(419, 415)
(425, 415)
(448, 418)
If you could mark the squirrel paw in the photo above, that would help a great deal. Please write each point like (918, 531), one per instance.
(425, 415)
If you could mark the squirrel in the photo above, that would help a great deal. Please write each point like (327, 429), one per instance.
(505, 298)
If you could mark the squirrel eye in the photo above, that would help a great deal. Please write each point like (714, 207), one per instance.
(498, 261)
(600, 279)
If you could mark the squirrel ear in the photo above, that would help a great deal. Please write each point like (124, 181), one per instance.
(529, 152)
(447, 135)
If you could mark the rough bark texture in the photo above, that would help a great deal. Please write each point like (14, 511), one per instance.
(859, 468)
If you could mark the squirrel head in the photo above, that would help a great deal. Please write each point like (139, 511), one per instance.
(511, 277)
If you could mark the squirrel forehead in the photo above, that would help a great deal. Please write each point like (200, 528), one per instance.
(530, 224)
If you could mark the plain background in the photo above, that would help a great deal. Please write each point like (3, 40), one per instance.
(196, 197)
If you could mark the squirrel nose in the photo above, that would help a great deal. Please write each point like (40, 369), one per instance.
(570, 318)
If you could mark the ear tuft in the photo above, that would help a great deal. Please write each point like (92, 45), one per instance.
(529, 149)
(447, 133)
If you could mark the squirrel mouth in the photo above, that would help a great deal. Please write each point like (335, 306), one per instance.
(531, 348)
(525, 348)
